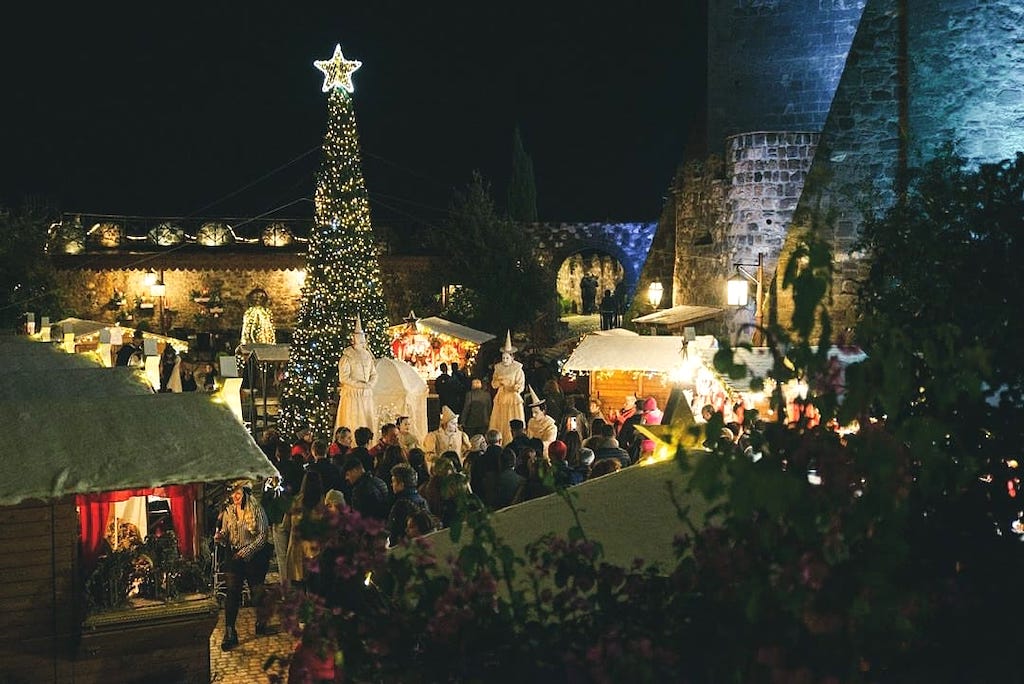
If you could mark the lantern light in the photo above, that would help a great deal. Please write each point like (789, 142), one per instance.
(737, 293)
(655, 291)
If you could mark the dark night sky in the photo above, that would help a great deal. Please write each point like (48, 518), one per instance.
(159, 110)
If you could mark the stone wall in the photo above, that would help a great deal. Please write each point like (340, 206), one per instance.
(966, 78)
(629, 243)
(702, 229)
(775, 64)
(729, 213)
(409, 283)
(606, 268)
(921, 74)
(766, 173)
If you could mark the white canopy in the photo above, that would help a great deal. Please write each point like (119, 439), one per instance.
(400, 391)
(653, 354)
(85, 330)
(104, 431)
(440, 325)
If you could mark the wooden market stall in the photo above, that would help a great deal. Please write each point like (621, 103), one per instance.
(623, 365)
(86, 442)
(92, 335)
(426, 343)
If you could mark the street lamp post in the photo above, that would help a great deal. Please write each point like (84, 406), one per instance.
(738, 292)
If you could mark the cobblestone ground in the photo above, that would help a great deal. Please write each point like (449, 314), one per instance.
(244, 664)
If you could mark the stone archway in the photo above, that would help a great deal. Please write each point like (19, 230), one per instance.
(606, 270)
(627, 243)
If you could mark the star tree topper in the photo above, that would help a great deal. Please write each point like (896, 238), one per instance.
(337, 71)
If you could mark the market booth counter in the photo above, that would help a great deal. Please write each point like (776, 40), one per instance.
(104, 447)
(426, 343)
(620, 366)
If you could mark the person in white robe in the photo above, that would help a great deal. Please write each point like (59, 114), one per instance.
(510, 381)
(541, 425)
(357, 372)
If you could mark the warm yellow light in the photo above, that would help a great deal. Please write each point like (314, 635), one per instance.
(149, 279)
(655, 291)
(157, 290)
(297, 278)
(337, 71)
(737, 293)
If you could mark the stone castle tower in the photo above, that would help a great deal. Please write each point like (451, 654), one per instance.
(848, 93)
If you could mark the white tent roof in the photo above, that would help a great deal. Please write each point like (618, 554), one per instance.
(84, 329)
(440, 325)
(656, 354)
(612, 509)
(400, 391)
(90, 441)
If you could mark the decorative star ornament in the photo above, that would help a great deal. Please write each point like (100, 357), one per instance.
(337, 71)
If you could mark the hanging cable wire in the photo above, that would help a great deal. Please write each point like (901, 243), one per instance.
(258, 180)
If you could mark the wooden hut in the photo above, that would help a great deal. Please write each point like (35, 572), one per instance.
(622, 365)
(426, 343)
(81, 437)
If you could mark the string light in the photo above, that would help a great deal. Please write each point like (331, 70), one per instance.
(342, 272)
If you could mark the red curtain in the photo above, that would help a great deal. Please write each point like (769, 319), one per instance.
(94, 513)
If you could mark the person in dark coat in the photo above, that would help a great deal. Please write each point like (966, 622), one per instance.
(510, 483)
(370, 495)
(330, 474)
(483, 473)
(609, 308)
(461, 382)
(129, 349)
(408, 502)
(447, 389)
(476, 410)
(362, 436)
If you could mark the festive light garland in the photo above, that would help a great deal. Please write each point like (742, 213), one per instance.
(342, 272)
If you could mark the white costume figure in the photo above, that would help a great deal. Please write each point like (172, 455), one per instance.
(510, 381)
(447, 437)
(541, 425)
(357, 371)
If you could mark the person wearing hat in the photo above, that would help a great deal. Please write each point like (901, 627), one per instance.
(447, 437)
(245, 536)
(357, 371)
(130, 349)
(509, 381)
(541, 425)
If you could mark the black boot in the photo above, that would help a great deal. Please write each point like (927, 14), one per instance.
(263, 629)
(230, 639)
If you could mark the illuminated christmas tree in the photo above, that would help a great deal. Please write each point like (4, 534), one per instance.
(342, 274)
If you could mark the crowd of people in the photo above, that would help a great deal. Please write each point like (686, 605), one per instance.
(485, 449)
